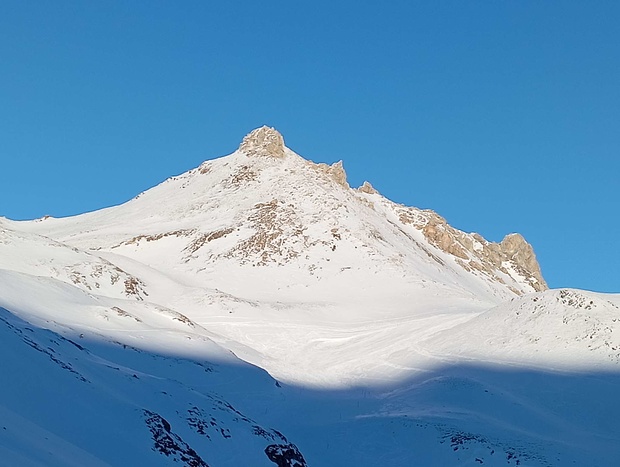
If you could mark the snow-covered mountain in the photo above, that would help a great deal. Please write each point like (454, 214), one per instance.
(257, 310)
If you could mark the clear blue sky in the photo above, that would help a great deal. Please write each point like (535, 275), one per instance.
(502, 116)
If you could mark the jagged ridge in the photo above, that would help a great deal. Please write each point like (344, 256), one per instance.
(265, 205)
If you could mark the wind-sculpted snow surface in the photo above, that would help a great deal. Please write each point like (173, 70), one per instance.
(257, 311)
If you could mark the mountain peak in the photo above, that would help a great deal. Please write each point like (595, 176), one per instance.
(263, 142)
(267, 206)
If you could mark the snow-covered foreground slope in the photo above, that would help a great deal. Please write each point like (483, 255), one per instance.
(73, 397)
(259, 311)
(81, 400)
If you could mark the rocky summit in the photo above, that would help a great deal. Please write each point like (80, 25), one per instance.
(263, 141)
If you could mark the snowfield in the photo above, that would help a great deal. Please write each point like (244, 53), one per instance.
(258, 311)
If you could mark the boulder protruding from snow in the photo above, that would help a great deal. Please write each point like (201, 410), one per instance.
(263, 142)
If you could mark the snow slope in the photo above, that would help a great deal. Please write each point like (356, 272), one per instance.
(393, 338)
(564, 328)
(94, 410)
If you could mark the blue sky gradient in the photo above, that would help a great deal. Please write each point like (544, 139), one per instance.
(500, 116)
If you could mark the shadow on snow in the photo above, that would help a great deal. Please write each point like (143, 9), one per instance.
(81, 400)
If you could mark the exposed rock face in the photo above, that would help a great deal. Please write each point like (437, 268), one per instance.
(440, 234)
(512, 255)
(263, 142)
(516, 249)
(170, 444)
(285, 455)
(368, 188)
(335, 172)
(278, 231)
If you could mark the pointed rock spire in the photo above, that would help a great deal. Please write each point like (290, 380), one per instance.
(368, 188)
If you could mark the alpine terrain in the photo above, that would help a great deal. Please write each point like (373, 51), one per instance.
(258, 311)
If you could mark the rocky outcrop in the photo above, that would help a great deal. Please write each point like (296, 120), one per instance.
(285, 455)
(335, 172)
(170, 444)
(440, 234)
(277, 238)
(516, 249)
(368, 189)
(513, 256)
(263, 142)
